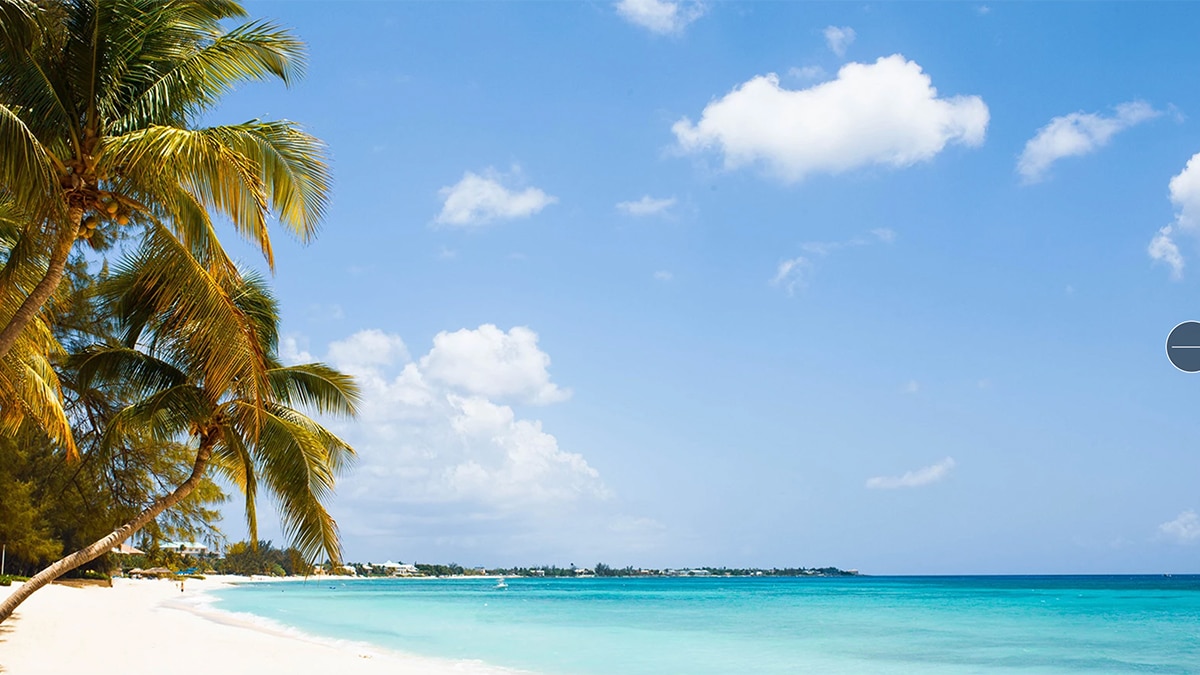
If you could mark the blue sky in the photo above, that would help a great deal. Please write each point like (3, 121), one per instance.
(882, 286)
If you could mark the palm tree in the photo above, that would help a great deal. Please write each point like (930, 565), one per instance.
(243, 426)
(99, 103)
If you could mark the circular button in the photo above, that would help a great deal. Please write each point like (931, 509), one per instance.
(1183, 346)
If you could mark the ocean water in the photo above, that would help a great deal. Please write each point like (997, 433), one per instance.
(710, 626)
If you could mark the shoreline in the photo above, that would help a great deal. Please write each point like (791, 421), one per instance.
(148, 626)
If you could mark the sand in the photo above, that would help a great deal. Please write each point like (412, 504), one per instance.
(146, 627)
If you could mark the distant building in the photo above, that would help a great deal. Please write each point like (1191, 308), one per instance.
(584, 572)
(126, 549)
(185, 547)
(537, 573)
(406, 570)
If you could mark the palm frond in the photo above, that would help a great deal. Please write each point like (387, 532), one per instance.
(164, 416)
(18, 26)
(294, 465)
(232, 459)
(316, 387)
(27, 171)
(30, 389)
(195, 81)
(135, 371)
(204, 328)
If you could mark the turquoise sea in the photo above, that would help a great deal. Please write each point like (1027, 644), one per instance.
(702, 626)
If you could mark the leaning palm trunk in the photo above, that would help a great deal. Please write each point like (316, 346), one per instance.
(102, 546)
(41, 293)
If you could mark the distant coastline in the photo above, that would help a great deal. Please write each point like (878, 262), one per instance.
(419, 570)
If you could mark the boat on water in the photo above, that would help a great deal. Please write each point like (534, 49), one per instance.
(500, 584)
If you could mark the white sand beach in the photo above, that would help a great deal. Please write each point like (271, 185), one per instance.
(145, 627)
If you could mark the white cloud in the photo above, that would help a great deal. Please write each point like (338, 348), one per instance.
(806, 72)
(921, 477)
(430, 431)
(1163, 248)
(664, 17)
(790, 274)
(885, 234)
(490, 362)
(839, 39)
(794, 273)
(1185, 195)
(1077, 134)
(647, 206)
(1185, 529)
(445, 471)
(367, 350)
(879, 235)
(884, 113)
(478, 200)
(663, 275)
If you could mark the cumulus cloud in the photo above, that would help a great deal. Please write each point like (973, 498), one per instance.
(490, 362)
(839, 39)
(647, 206)
(1164, 249)
(366, 350)
(664, 17)
(911, 479)
(884, 113)
(1077, 134)
(480, 199)
(1185, 195)
(435, 430)
(1185, 529)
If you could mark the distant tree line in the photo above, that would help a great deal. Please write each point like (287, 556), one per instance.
(604, 570)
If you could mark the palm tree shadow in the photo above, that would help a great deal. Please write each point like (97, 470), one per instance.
(5, 629)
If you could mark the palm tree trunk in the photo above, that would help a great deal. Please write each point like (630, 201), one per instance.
(45, 288)
(102, 546)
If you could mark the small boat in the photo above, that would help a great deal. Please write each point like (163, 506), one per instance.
(500, 584)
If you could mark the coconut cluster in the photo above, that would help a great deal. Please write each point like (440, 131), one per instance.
(109, 208)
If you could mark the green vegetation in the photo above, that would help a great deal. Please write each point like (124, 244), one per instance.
(125, 384)
(242, 558)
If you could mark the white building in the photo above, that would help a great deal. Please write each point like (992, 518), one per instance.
(185, 547)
